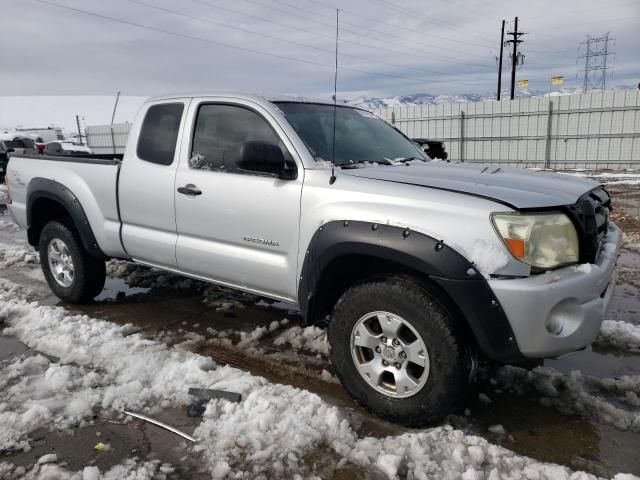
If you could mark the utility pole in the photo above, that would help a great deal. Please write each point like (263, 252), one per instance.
(79, 131)
(595, 62)
(514, 55)
(500, 62)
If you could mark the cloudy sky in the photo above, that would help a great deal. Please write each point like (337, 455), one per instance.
(387, 47)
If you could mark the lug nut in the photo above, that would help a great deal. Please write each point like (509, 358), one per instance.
(403, 355)
(378, 349)
(384, 339)
(385, 363)
(398, 366)
(396, 342)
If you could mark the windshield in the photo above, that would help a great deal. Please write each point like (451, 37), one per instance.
(360, 135)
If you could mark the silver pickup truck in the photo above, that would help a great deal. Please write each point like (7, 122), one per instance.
(415, 267)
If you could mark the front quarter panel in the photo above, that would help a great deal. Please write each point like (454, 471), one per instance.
(461, 221)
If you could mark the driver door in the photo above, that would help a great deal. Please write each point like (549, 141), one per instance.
(236, 227)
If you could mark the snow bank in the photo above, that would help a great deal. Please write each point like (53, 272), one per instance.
(129, 470)
(618, 334)
(101, 370)
(99, 367)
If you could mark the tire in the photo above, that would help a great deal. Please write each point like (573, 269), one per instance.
(60, 243)
(422, 316)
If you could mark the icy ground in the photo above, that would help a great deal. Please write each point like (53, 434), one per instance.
(81, 370)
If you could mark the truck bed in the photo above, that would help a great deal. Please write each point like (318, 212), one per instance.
(93, 181)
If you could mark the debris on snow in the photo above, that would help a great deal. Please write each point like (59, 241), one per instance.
(102, 447)
(49, 458)
(160, 424)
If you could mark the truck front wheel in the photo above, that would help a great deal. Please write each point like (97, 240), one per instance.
(394, 348)
(73, 274)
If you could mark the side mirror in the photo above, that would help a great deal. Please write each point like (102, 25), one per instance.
(268, 158)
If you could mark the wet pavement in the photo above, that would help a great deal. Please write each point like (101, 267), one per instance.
(208, 320)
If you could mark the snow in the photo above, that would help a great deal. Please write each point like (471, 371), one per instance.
(497, 429)
(488, 257)
(100, 368)
(311, 339)
(10, 256)
(619, 334)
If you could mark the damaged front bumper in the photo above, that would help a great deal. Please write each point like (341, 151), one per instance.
(561, 311)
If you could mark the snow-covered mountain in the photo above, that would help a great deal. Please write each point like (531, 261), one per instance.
(428, 99)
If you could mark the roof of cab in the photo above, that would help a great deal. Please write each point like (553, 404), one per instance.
(260, 99)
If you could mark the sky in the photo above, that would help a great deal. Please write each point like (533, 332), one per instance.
(273, 47)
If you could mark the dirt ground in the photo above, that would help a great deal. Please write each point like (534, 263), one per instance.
(211, 325)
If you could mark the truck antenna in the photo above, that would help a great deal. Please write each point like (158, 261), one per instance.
(332, 179)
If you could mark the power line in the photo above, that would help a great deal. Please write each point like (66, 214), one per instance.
(437, 21)
(475, 12)
(272, 37)
(236, 47)
(413, 42)
(388, 24)
(344, 30)
(321, 34)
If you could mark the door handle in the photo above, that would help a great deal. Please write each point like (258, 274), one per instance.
(189, 190)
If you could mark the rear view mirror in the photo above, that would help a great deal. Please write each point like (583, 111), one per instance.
(268, 158)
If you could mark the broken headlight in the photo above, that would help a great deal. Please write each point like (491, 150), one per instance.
(543, 240)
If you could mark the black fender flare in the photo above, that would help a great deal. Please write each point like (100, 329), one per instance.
(452, 272)
(50, 189)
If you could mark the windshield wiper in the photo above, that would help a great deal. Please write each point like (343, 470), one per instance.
(355, 163)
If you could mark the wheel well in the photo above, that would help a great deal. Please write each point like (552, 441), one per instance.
(43, 211)
(347, 271)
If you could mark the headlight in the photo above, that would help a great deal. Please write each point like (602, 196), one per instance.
(543, 240)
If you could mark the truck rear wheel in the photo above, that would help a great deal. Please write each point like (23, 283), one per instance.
(394, 349)
(73, 274)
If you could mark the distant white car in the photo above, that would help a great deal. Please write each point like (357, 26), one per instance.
(65, 148)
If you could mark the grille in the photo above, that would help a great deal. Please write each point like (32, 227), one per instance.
(590, 214)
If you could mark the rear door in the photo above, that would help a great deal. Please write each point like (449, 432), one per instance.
(242, 228)
(147, 184)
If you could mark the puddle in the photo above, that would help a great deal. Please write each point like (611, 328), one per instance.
(601, 364)
(545, 434)
(117, 289)
(11, 347)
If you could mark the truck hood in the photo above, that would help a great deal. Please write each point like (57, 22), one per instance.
(511, 186)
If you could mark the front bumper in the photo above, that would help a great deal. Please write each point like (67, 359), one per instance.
(560, 311)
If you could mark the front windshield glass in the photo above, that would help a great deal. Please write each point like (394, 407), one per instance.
(360, 135)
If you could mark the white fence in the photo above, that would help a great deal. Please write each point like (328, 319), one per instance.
(594, 131)
(106, 138)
